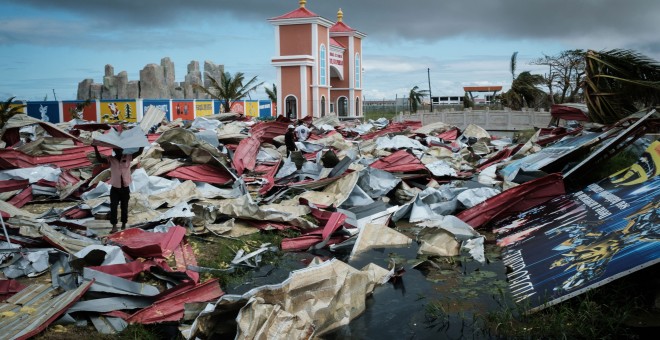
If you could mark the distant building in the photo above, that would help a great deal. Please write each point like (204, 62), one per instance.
(319, 65)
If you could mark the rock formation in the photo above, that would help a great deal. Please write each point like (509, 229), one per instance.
(156, 82)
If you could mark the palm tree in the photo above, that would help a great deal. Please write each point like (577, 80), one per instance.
(524, 91)
(229, 88)
(512, 66)
(618, 83)
(272, 94)
(8, 110)
(415, 97)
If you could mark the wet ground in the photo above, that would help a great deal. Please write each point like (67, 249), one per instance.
(433, 298)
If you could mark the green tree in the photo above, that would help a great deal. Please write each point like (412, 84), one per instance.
(524, 91)
(618, 83)
(415, 98)
(272, 93)
(229, 89)
(566, 74)
(8, 109)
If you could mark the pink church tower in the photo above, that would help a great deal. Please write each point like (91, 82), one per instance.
(319, 65)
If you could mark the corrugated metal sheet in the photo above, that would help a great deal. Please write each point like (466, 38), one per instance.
(266, 131)
(516, 199)
(72, 158)
(393, 128)
(13, 184)
(184, 256)
(34, 308)
(171, 307)
(9, 288)
(139, 243)
(245, 156)
(400, 161)
(202, 173)
(22, 198)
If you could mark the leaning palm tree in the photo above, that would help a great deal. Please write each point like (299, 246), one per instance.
(618, 83)
(8, 110)
(415, 98)
(272, 94)
(512, 66)
(229, 89)
(524, 91)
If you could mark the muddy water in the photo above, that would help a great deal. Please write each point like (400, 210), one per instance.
(436, 298)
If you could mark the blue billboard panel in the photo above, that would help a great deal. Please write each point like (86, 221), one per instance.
(47, 111)
(583, 240)
(265, 109)
(160, 104)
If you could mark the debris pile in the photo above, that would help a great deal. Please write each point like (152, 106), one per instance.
(341, 190)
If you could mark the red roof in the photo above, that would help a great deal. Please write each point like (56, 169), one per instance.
(336, 43)
(202, 173)
(400, 161)
(245, 156)
(297, 14)
(341, 27)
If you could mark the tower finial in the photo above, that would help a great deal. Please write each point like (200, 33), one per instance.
(340, 15)
(302, 3)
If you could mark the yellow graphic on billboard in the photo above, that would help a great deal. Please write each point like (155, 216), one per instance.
(203, 108)
(120, 110)
(252, 108)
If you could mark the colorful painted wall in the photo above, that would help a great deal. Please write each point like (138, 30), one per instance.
(132, 110)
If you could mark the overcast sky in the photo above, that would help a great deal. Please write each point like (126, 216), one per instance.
(48, 45)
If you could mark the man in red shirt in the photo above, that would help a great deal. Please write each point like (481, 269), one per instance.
(120, 179)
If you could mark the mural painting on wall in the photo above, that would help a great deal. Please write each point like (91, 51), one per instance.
(163, 105)
(183, 109)
(117, 110)
(218, 107)
(238, 107)
(252, 108)
(46, 111)
(266, 109)
(203, 108)
(77, 109)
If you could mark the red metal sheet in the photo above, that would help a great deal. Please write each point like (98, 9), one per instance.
(245, 157)
(449, 135)
(170, 307)
(516, 199)
(305, 242)
(127, 271)
(269, 176)
(392, 128)
(139, 243)
(185, 256)
(400, 161)
(202, 173)
(9, 288)
(568, 112)
(501, 155)
(13, 184)
(266, 131)
(76, 213)
(71, 158)
(22, 198)
(335, 221)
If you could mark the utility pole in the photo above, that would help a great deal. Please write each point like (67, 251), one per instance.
(430, 96)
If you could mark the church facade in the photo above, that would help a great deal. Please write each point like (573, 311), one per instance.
(319, 65)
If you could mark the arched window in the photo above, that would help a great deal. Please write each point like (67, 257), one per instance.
(291, 107)
(323, 65)
(342, 107)
(357, 70)
(322, 106)
(357, 106)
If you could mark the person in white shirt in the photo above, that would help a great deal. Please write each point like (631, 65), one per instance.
(302, 131)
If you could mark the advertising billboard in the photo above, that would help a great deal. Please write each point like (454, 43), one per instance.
(118, 110)
(266, 109)
(582, 240)
(183, 109)
(203, 108)
(48, 111)
(252, 108)
(161, 104)
(79, 109)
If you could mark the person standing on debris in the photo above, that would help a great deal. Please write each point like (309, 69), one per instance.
(289, 141)
(120, 179)
(302, 131)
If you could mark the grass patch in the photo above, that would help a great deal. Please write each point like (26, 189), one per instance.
(217, 252)
(602, 313)
(619, 162)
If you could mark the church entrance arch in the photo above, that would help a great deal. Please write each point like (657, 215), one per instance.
(291, 107)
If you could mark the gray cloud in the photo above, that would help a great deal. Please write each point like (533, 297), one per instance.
(428, 20)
